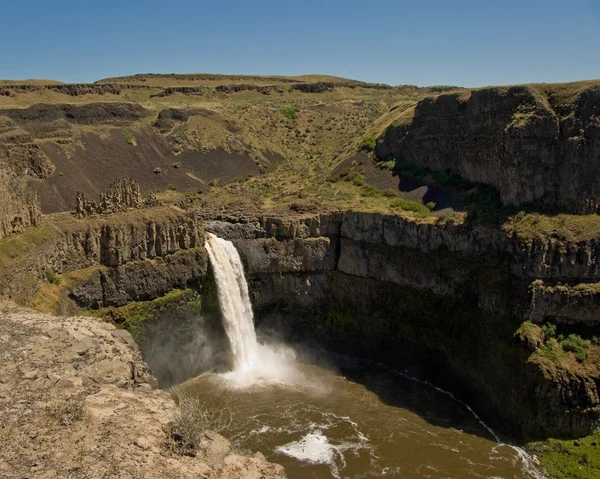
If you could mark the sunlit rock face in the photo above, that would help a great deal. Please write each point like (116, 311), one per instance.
(531, 144)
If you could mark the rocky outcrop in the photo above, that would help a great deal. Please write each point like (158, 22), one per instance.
(71, 89)
(235, 88)
(21, 154)
(449, 259)
(111, 113)
(20, 158)
(169, 117)
(141, 280)
(112, 242)
(19, 205)
(535, 144)
(76, 398)
(318, 87)
(122, 195)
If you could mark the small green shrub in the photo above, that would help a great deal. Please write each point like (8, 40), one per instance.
(387, 165)
(290, 112)
(549, 331)
(129, 137)
(430, 205)
(407, 205)
(576, 344)
(358, 179)
(171, 187)
(549, 350)
(520, 216)
(213, 182)
(67, 412)
(193, 418)
(390, 193)
(51, 276)
(60, 173)
(150, 192)
(486, 206)
(369, 143)
(370, 191)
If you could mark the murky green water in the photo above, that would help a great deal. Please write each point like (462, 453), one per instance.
(323, 424)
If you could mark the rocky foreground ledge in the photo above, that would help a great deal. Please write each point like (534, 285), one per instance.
(77, 401)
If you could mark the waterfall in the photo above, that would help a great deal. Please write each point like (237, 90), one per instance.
(234, 301)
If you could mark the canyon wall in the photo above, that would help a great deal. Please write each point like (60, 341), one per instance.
(499, 272)
(446, 301)
(535, 144)
(133, 256)
(19, 156)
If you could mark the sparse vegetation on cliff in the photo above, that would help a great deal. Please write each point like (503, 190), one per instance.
(569, 459)
(134, 314)
(193, 420)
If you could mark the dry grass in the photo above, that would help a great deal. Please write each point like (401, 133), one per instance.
(67, 411)
(193, 419)
(563, 227)
(14, 247)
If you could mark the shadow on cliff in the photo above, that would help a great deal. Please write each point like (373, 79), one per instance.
(409, 389)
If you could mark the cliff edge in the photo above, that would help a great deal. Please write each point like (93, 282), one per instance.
(77, 402)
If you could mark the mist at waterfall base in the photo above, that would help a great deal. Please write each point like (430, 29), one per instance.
(318, 423)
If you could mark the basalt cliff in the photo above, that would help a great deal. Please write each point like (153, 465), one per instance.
(535, 144)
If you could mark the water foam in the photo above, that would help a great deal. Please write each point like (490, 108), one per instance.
(253, 363)
(314, 448)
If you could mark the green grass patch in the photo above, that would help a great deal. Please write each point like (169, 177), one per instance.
(562, 227)
(51, 276)
(290, 112)
(15, 246)
(576, 344)
(134, 314)
(569, 459)
(129, 137)
(369, 143)
(407, 205)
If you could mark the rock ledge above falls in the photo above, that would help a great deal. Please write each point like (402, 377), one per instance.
(77, 400)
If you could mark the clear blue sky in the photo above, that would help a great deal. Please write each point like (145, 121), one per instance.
(423, 42)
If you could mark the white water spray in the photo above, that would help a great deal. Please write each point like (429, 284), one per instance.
(252, 362)
(234, 300)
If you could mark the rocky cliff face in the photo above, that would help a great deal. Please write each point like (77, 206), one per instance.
(19, 206)
(19, 158)
(130, 256)
(534, 144)
(495, 269)
(453, 296)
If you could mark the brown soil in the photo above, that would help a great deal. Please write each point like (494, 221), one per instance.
(93, 167)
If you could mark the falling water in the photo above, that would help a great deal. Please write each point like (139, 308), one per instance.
(234, 300)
